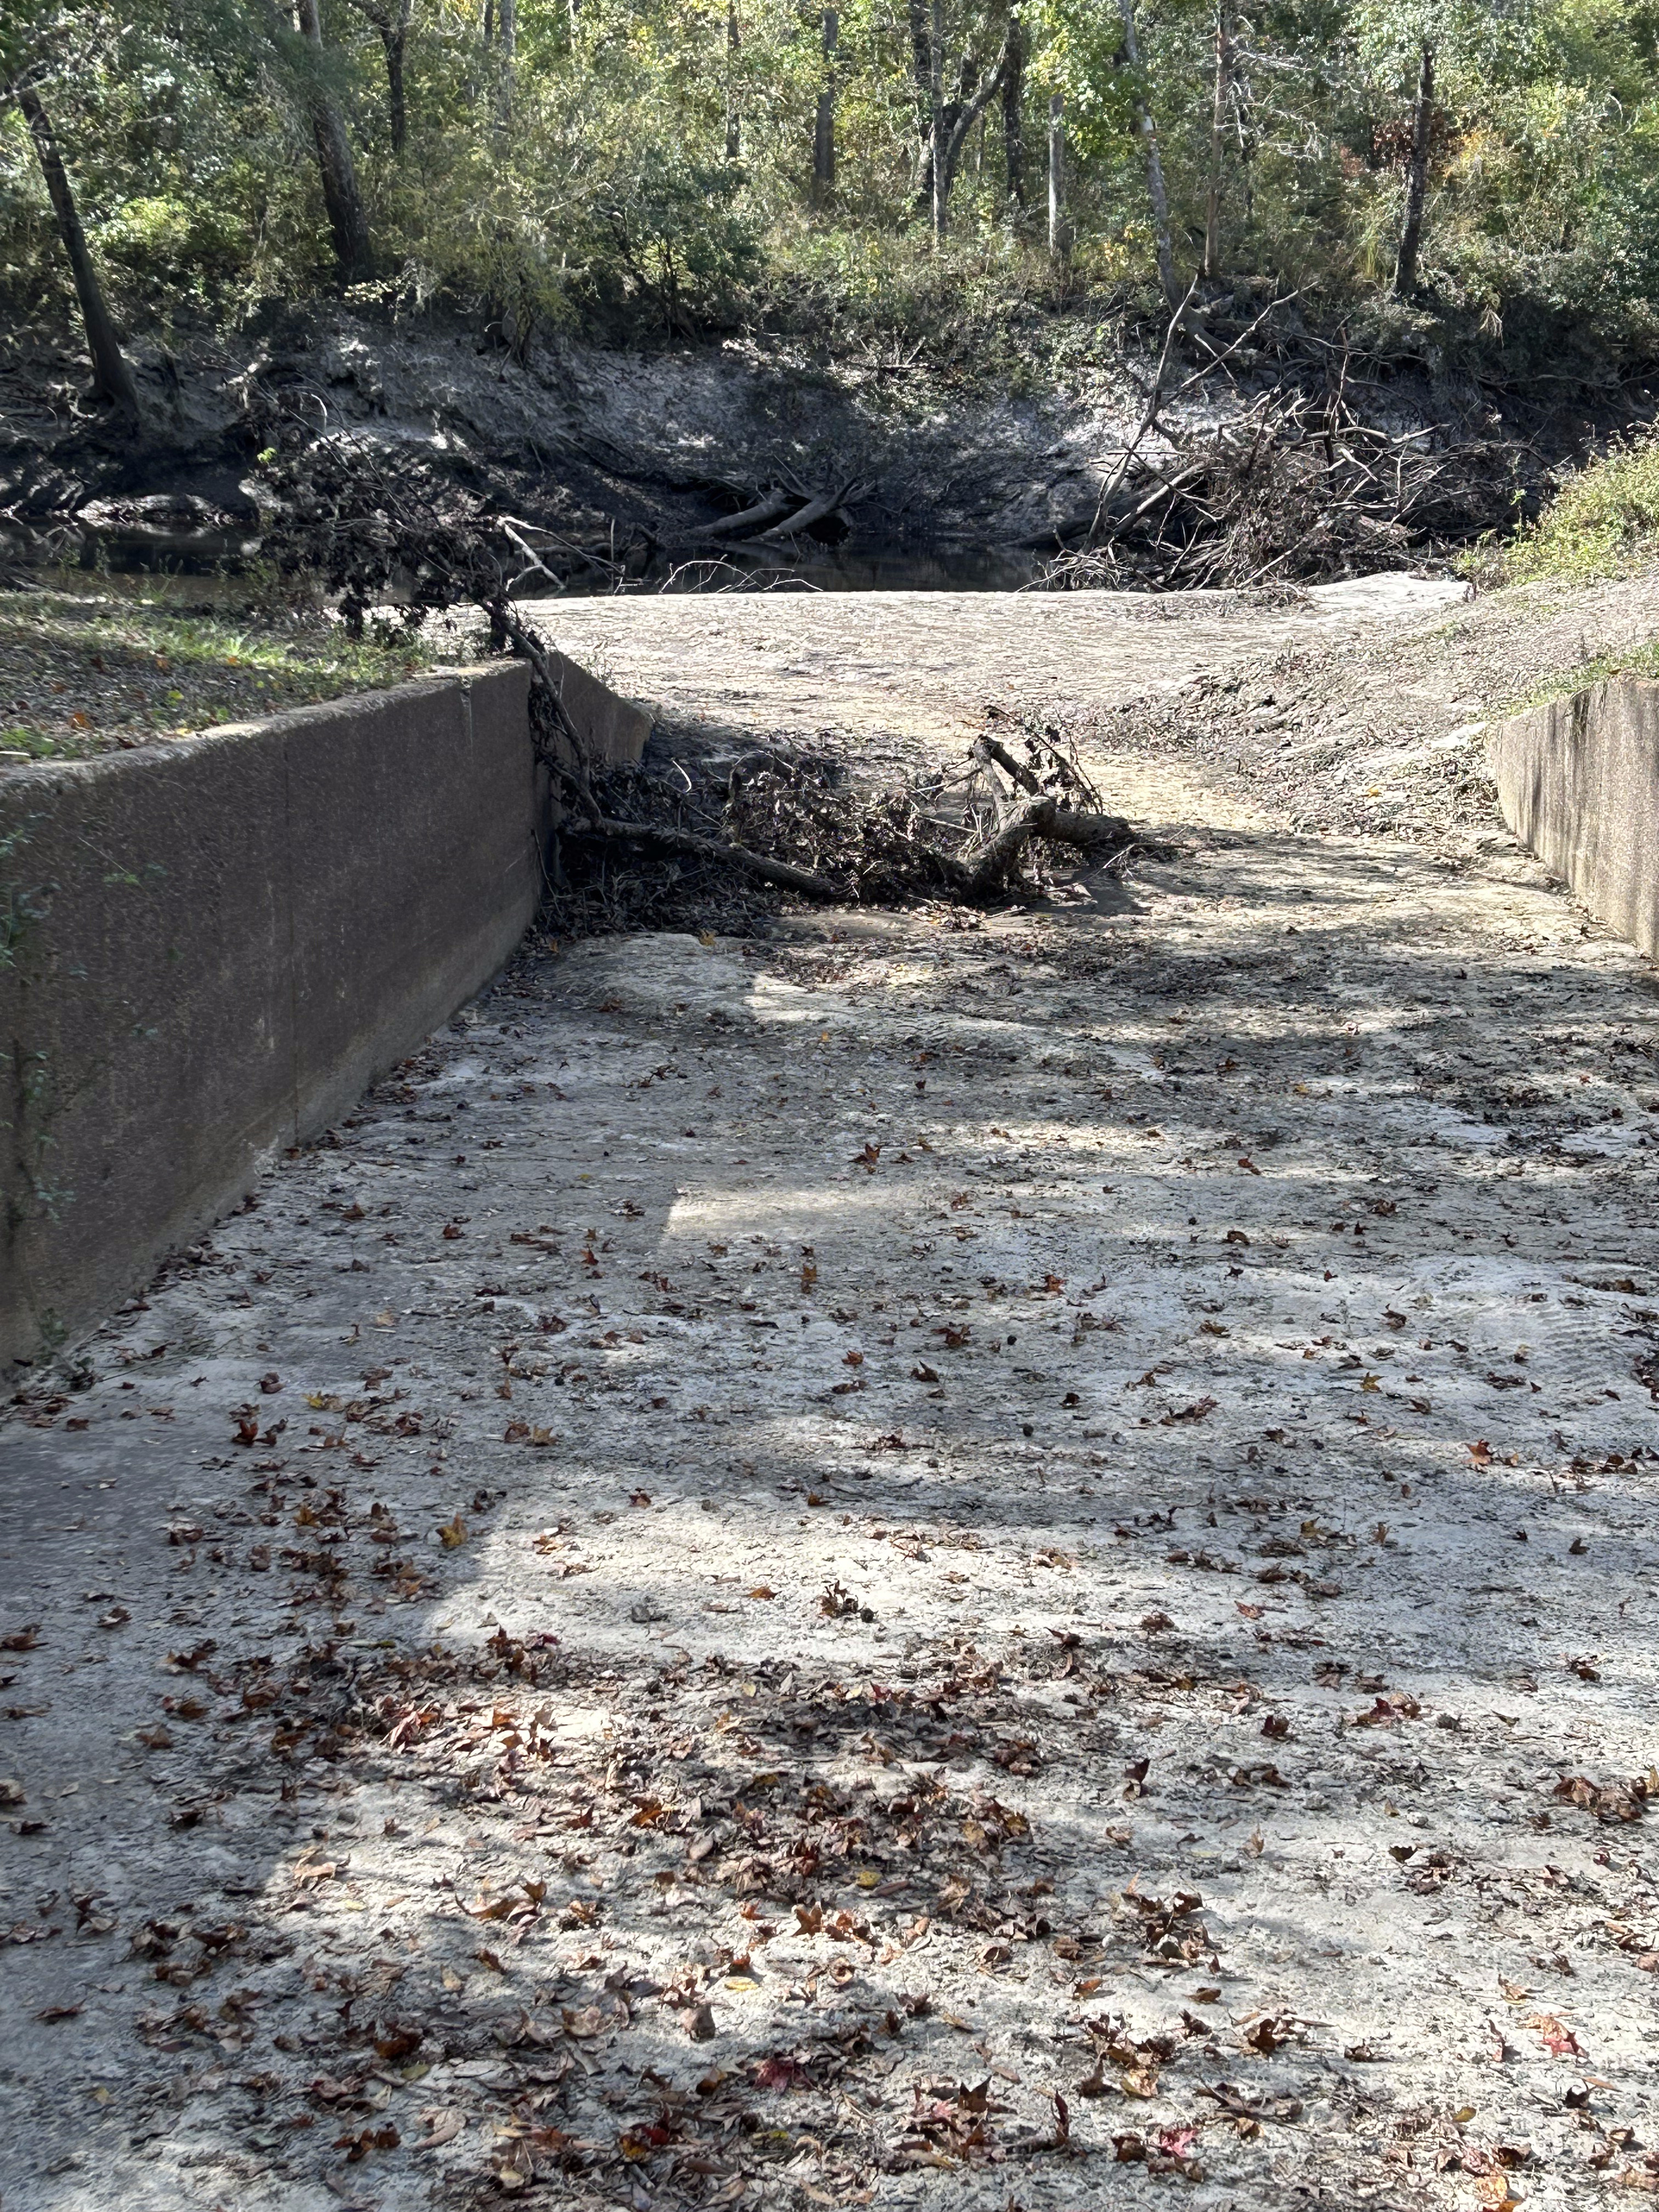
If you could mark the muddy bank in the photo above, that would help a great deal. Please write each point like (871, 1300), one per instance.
(1384, 734)
(648, 457)
(903, 675)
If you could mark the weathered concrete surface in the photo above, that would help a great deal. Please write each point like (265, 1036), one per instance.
(1578, 782)
(215, 945)
(610, 727)
(858, 1532)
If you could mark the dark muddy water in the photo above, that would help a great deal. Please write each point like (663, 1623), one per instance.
(211, 555)
(837, 568)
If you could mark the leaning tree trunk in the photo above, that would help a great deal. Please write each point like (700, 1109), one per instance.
(958, 120)
(823, 124)
(1223, 73)
(111, 378)
(1416, 177)
(1013, 113)
(1155, 193)
(341, 195)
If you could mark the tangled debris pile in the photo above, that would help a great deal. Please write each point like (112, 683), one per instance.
(1295, 487)
(789, 820)
(661, 841)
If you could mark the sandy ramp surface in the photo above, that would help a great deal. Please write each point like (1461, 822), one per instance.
(892, 1565)
(900, 670)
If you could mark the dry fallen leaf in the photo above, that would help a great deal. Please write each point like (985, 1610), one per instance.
(514, 2168)
(443, 2122)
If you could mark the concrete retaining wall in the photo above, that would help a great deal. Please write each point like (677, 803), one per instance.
(1578, 781)
(209, 948)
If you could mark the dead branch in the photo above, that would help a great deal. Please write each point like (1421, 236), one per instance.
(768, 871)
(1108, 490)
(823, 505)
(1047, 818)
(987, 750)
(515, 538)
(755, 517)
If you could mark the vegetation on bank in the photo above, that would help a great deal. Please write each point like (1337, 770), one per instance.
(1604, 521)
(92, 669)
(1439, 183)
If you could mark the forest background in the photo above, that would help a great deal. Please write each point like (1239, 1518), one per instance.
(1445, 181)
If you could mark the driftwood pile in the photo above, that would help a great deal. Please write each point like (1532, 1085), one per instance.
(639, 842)
(1292, 490)
(405, 544)
(1292, 486)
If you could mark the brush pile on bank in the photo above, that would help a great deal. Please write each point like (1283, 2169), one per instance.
(771, 824)
(717, 841)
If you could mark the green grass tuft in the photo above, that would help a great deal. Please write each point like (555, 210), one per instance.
(1604, 522)
(1641, 660)
(117, 665)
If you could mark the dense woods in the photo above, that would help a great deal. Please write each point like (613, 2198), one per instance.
(1437, 176)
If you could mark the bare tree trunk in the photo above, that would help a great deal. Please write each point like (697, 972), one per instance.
(111, 378)
(391, 18)
(1224, 71)
(506, 25)
(824, 128)
(922, 68)
(1148, 133)
(952, 122)
(959, 119)
(341, 195)
(1416, 177)
(1013, 113)
(1059, 231)
(396, 39)
(936, 102)
(734, 120)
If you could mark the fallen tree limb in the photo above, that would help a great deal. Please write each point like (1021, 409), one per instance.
(1046, 818)
(748, 520)
(712, 848)
(536, 562)
(823, 503)
(986, 750)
